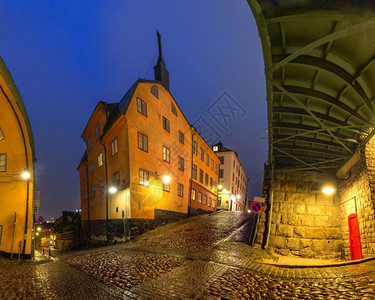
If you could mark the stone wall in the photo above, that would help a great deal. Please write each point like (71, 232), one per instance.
(304, 221)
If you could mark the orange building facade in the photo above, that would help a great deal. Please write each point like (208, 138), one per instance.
(17, 157)
(205, 176)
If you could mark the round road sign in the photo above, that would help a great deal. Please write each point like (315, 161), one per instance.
(40, 219)
(256, 207)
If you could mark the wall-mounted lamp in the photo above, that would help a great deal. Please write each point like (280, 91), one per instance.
(328, 190)
(25, 175)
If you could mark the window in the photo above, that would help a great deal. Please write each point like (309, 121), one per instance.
(221, 173)
(201, 176)
(215, 185)
(166, 154)
(205, 199)
(215, 148)
(180, 190)
(211, 183)
(1, 135)
(85, 195)
(209, 201)
(212, 164)
(199, 197)
(155, 92)
(1, 232)
(84, 174)
(143, 177)
(202, 154)
(166, 187)
(181, 137)
(114, 147)
(166, 125)
(142, 107)
(92, 168)
(213, 203)
(117, 209)
(233, 177)
(221, 158)
(100, 160)
(234, 164)
(206, 180)
(207, 160)
(116, 179)
(97, 131)
(193, 194)
(89, 144)
(194, 175)
(215, 168)
(101, 186)
(93, 191)
(142, 142)
(173, 108)
(195, 147)
(181, 163)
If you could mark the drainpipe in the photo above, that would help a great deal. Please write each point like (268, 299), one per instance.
(106, 188)
(88, 197)
(271, 206)
(191, 174)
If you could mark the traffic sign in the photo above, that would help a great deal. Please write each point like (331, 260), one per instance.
(256, 207)
(40, 219)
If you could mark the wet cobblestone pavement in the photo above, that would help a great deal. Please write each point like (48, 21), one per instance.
(201, 258)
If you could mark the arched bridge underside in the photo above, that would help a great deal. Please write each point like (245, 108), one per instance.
(320, 72)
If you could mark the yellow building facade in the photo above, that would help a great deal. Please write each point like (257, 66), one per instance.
(17, 156)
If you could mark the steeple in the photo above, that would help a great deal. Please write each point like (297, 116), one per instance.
(161, 72)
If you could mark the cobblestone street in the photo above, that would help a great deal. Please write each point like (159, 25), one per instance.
(200, 258)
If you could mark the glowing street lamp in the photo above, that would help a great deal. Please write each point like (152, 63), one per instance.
(220, 187)
(238, 196)
(112, 190)
(166, 179)
(25, 175)
(328, 190)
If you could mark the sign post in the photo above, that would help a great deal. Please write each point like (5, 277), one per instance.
(256, 207)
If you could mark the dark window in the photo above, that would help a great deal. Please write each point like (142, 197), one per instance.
(180, 190)
(116, 179)
(181, 137)
(202, 154)
(116, 209)
(101, 186)
(1, 135)
(221, 159)
(166, 154)
(194, 171)
(166, 124)
(89, 144)
(221, 173)
(173, 108)
(199, 197)
(193, 194)
(207, 160)
(85, 195)
(166, 187)
(195, 147)
(212, 164)
(141, 107)
(211, 183)
(155, 92)
(143, 177)
(205, 199)
(201, 176)
(206, 180)
(142, 142)
(93, 191)
(92, 168)
(1, 232)
(209, 201)
(181, 163)
(84, 174)
(114, 147)
(215, 168)
(97, 131)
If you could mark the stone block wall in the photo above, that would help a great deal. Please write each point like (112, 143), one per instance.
(304, 222)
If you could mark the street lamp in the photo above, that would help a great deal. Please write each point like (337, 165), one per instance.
(112, 189)
(238, 196)
(328, 190)
(220, 187)
(25, 175)
(166, 179)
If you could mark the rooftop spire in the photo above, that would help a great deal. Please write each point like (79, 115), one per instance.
(161, 72)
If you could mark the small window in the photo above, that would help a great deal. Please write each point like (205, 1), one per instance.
(207, 160)
(166, 125)
(114, 147)
(193, 194)
(101, 186)
(97, 131)
(221, 158)
(181, 137)
(155, 92)
(117, 209)
(194, 171)
(205, 199)
(201, 176)
(221, 173)
(142, 142)
(116, 179)
(92, 168)
(215, 168)
(234, 164)
(215, 148)
(166, 187)
(195, 147)
(166, 154)
(215, 186)
(209, 201)
(206, 180)
(202, 154)
(143, 177)
(85, 195)
(213, 203)
(84, 174)
(211, 183)
(212, 164)
(1, 135)
(181, 163)
(173, 108)
(180, 190)
(199, 197)
(100, 160)
(142, 107)
(89, 144)
(93, 191)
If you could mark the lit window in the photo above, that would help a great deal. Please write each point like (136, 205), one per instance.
(116, 179)
(206, 180)
(221, 173)
(93, 191)
(201, 176)
(193, 193)
(173, 108)
(166, 154)
(195, 147)
(181, 137)
(194, 171)
(180, 190)
(101, 186)
(166, 187)
(207, 160)
(100, 160)
(155, 92)
(202, 154)
(166, 125)
(1, 135)
(181, 163)
(97, 131)
(142, 142)
(199, 197)
(205, 199)
(91, 168)
(141, 107)
(89, 144)
(215, 148)
(143, 177)
(114, 147)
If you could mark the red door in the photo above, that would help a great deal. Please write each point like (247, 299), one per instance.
(354, 238)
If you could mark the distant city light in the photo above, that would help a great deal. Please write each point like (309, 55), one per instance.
(328, 190)
(112, 190)
(39, 229)
(249, 211)
(25, 175)
(166, 179)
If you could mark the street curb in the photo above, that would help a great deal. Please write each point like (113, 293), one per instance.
(354, 262)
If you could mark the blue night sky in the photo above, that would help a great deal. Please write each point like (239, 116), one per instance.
(65, 56)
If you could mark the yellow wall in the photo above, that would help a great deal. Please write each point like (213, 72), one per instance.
(13, 189)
